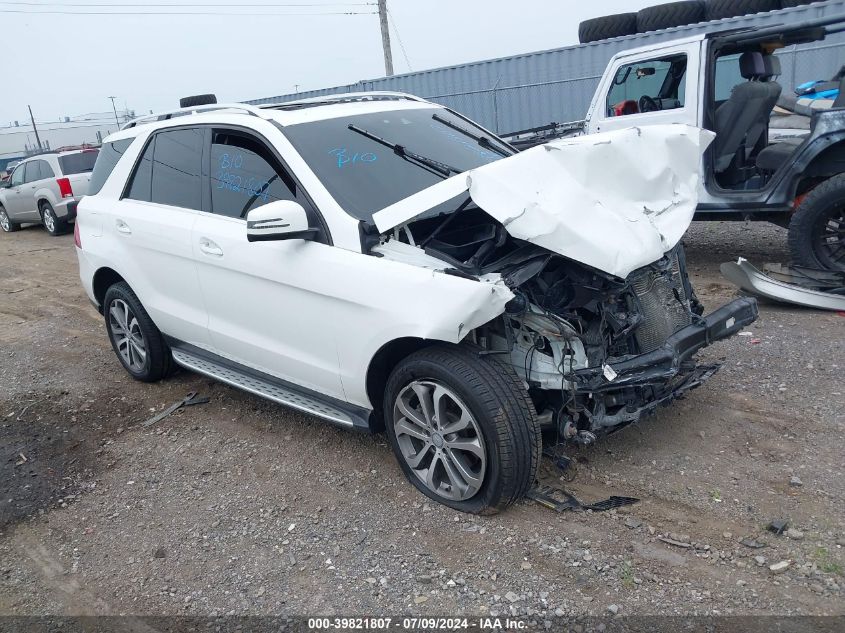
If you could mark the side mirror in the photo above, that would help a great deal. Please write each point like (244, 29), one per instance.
(279, 220)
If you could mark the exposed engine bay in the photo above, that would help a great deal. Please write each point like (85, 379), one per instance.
(569, 325)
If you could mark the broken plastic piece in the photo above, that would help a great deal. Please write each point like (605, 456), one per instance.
(751, 280)
(778, 526)
(546, 496)
(190, 400)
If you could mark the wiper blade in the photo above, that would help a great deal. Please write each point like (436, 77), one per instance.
(484, 141)
(429, 164)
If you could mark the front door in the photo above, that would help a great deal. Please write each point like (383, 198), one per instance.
(653, 89)
(265, 309)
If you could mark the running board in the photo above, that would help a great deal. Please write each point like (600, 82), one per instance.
(273, 389)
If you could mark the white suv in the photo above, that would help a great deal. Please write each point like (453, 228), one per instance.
(384, 263)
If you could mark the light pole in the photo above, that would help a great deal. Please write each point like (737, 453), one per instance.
(116, 120)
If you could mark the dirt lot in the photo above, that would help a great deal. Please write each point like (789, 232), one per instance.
(242, 507)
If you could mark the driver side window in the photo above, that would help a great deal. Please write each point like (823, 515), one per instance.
(648, 86)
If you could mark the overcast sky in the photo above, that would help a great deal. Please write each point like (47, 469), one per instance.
(67, 65)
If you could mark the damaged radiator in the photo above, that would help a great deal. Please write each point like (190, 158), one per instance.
(663, 303)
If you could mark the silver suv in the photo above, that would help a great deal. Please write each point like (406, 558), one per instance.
(46, 189)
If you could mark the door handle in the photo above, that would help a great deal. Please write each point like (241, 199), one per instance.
(122, 227)
(210, 248)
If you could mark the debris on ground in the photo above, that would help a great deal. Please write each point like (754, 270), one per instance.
(749, 279)
(778, 526)
(549, 497)
(190, 400)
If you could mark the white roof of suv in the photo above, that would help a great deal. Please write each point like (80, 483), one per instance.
(294, 112)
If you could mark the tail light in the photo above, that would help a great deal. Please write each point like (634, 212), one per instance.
(64, 188)
(76, 239)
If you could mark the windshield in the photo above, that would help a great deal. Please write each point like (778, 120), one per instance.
(78, 162)
(365, 176)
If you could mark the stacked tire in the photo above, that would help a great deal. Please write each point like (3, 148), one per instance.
(673, 14)
(721, 9)
(608, 26)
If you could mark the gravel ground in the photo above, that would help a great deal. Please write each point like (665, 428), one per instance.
(243, 507)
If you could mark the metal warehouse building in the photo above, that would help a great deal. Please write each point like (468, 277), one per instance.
(533, 89)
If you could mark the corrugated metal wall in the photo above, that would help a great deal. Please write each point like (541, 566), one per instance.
(523, 91)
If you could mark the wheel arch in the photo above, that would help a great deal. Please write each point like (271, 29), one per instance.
(382, 364)
(822, 159)
(104, 278)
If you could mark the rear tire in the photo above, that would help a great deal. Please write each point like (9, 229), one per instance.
(6, 223)
(669, 15)
(606, 27)
(51, 221)
(817, 229)
(720, 9)
(490, 405)
(137, 342)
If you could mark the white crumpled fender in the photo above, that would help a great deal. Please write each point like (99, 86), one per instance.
(615, 201)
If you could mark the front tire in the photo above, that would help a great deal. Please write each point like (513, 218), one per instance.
(51, 221)
(817, 228)
(6, 223)
(463, 428)
(137, 342)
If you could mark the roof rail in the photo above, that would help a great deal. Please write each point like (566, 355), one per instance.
(344, 97)
(172, 114)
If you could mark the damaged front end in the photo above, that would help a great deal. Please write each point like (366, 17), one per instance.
(604, 324)
(597, 352)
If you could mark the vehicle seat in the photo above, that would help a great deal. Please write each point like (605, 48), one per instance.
(758, 136)
(772, 157)
(747, 110)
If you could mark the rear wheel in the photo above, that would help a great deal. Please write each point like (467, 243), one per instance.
(463, 428)
(6, 224)
(51, 221)
(136, 340)
(817, 229)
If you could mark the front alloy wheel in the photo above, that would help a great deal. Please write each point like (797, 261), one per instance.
(440, 440)
(5, 223)
(462, 427)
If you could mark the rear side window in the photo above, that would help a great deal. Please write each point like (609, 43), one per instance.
(78, 163)
(46, 170)
(33, 173)
(245, 175)
(107, 160)
(169, 172)
(142, 179)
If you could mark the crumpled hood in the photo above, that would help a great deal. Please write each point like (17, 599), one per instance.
(616, 201)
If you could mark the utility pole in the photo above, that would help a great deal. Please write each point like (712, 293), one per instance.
(385, 37)
(116, 120)
(34, 129)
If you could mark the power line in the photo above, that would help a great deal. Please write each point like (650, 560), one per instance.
(399, 38)
(235, 12)
(199, 5)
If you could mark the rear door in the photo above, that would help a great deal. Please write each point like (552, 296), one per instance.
(265, 306)
(151, 226)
